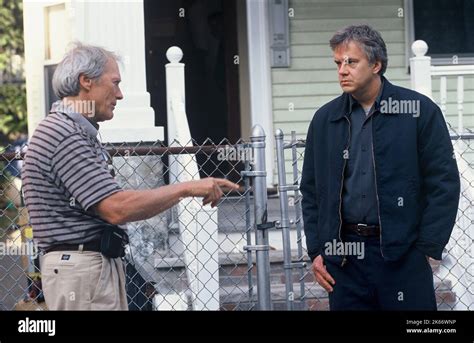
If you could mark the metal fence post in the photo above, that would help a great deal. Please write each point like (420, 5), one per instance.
(299, 217)
(248, 232)
(284, 221)
(261, 248)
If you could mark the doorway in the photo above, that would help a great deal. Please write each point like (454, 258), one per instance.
(206, 31)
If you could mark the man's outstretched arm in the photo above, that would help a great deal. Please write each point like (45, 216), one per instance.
(133, 205)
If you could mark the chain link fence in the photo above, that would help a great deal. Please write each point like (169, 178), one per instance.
(187, 258)
(197, 258)
(453, 275)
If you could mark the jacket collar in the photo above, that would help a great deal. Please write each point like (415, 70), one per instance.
(387, 91)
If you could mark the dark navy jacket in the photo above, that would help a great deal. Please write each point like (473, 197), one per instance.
(417, 179)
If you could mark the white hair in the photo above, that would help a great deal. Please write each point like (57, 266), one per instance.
(81, 59)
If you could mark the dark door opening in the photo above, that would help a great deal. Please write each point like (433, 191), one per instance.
(206, 31)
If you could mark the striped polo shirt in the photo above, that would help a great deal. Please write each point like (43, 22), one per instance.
(65, 173)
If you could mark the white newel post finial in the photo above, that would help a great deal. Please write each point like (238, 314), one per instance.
(419, 48)
(174, 54)
(420, 68)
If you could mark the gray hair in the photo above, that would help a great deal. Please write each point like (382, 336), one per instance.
(81, 59)
(367, 38)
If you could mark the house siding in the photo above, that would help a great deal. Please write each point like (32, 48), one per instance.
(311, 80)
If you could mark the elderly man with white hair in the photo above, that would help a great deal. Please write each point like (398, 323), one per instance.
(76, 207)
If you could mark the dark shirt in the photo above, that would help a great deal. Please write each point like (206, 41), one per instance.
(359, 198)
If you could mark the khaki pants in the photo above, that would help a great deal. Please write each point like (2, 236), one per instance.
(83, 280)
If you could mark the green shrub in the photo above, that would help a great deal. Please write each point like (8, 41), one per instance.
(13, 118)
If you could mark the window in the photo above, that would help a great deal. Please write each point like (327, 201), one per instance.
(50, 97)
(447, 26)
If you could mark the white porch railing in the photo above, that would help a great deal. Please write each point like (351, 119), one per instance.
(457, 266)
(422, 74)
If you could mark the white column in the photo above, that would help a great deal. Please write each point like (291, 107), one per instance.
(261, 111)
(420, 68)
(120, 26)
(34, 27)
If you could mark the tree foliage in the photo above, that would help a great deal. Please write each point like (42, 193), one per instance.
(13, 121)
(13, 118)
(11, 31)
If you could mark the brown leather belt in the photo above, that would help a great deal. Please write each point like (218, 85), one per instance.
(361, 229)
(89, 246)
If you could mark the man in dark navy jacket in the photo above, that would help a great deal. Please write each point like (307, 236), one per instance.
(380, 185)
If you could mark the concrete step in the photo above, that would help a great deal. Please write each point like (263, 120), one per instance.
(234, 284)
(238, 298)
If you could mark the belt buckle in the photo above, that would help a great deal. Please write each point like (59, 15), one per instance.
(360, 226)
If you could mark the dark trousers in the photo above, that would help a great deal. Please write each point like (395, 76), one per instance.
(370, 283)
(137, 290)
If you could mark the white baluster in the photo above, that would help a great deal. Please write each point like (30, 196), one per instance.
(460, 101)
(443, 94)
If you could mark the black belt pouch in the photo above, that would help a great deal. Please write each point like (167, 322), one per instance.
(113, 241)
